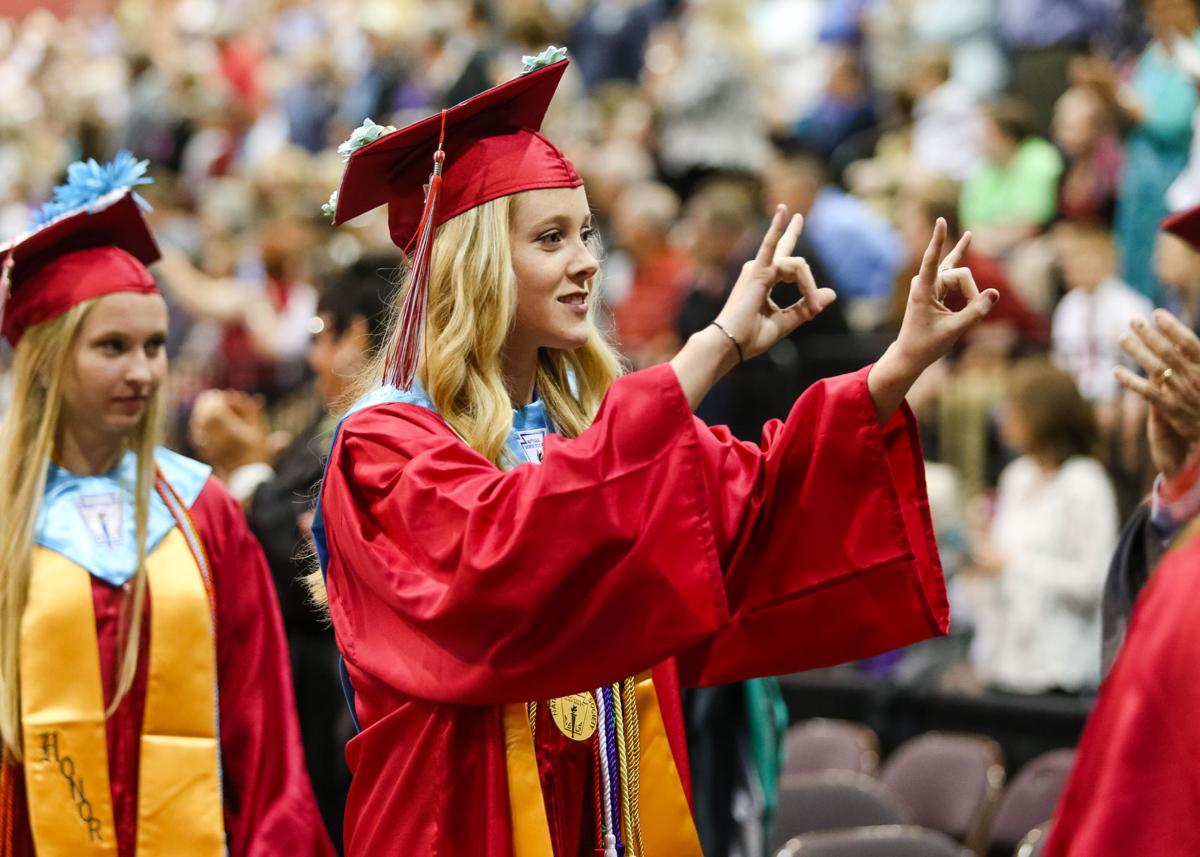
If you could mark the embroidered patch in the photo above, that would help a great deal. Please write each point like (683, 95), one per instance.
(102, 514)
(531, 442)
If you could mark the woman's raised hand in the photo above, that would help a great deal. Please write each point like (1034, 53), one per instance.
(750, 316)
(929, 329)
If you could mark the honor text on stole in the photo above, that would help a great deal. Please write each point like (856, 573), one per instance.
(76, 795)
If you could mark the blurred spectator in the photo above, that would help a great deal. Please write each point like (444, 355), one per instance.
(947, 123)
(608, 39)
(1177, 266)
(705, 83)
(277, 486)
(1184, 192)
(1083, 132)
(1044, 36)
(860, 249)
(1092, 315)
(1155, 109)
(1045, 552)
(786, 32)
(1012, 192)
(843, 113)
(265, 320)
(644, 315)
(969, 30)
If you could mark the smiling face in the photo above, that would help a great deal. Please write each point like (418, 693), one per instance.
(117, 362)
(550, 232)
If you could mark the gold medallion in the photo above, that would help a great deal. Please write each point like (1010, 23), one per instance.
(575, 715)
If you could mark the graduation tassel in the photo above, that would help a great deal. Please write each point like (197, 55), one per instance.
(5, 284)
(401, 366)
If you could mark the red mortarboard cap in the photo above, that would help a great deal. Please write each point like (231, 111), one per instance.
(492, 149)
(485, 148)
(82, 255)
(1185, 225)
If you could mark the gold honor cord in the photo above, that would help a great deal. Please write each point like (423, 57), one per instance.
(180, 809)
(626, 821)
(631, 772)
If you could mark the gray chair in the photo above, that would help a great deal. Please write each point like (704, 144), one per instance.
(950, 782)
(832, 800)
(1034, 842)
(823, 744)
(887, 841)
(1029, 799)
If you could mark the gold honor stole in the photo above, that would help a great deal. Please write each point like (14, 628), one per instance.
(667, 828)
(180, 807)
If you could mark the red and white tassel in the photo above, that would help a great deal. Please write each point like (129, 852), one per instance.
(402, 361)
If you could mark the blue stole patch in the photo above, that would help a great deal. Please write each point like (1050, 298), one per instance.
(525, 442)
(90, 519)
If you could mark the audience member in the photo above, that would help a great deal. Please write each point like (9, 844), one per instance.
(946, 120)
(657, 271)
(1011, 194)
(859, 248)
(1048, 544)
(1092, 153)
(1092, 315)
(1155, 110)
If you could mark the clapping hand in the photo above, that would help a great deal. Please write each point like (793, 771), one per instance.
(1170, 355)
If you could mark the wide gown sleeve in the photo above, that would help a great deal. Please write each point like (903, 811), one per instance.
(270, 810)
(1134, 786)
(646, 537)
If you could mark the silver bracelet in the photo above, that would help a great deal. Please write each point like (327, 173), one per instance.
(732, 338)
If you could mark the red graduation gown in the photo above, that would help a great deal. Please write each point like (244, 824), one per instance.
(1135, 785)
(269, 806)
(649, 541)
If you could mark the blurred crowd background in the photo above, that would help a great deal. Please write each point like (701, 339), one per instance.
(1058, 133)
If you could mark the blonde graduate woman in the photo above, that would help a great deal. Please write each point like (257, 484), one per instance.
(526, 553)
(145, 700)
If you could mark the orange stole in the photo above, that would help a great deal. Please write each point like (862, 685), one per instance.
(667, 826)
(180, 809)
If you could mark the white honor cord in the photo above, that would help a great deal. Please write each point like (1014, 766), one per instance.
(610, 840)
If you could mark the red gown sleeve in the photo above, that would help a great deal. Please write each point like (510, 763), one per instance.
(647, 536)
(831, 551)
(269, 805)
(1135, 786)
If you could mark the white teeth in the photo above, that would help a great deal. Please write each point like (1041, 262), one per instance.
(574, 299)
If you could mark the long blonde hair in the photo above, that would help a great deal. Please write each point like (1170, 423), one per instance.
(472, 303)
(27, 438)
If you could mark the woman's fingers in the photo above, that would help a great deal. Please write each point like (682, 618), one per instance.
(1160, 346)
(1179, 334)
(933, 254)
(1132, 345)
(787, 244)
(1137, 384)
(795, 269)
(960, 249)
(960, 280)
(766, 250)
